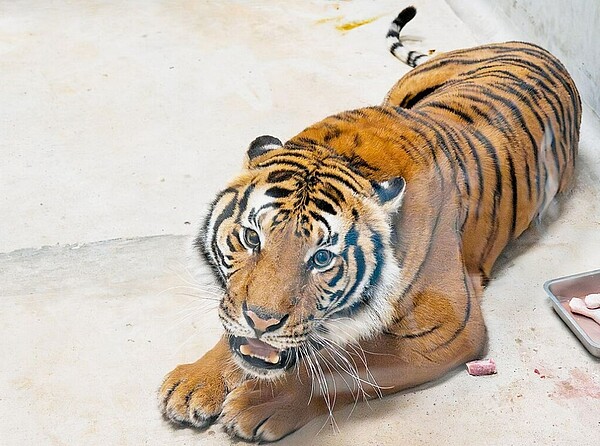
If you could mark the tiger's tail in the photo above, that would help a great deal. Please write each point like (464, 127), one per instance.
(409, 57)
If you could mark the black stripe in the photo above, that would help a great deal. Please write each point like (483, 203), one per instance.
(332, 133)
(309, 141)
(527, 90)
(524, 86)
(273, 205)
(359, 259)
(360, 165)
(563, 119)
(493, 155)
(495, 119)
(515, 195)
(420, 334)
(412, 281)
(561, 75)
(387, 111)
(452, 138)
(344, 117)
(420, 56)
(289, 157)
(227, 212)
(334, 176)
(333, 193)
(230, 245)
(409, 60)
(320, 218)
(394, 46)
(358, 112)
(545, 79)
(436, 64)
(410, 101)
(286, 163)
(278, 176)
(446, 107)
(278, 192)
(324, 205)
(429, 122)
(409, 117)
(407, 146)
(473, 151)
(244, 201)
(466, 316)
(443, 137)
(505, 128)
(510, 106)
(335, 279)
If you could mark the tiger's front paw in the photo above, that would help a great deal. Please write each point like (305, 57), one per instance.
(193, 394)
(262, 411)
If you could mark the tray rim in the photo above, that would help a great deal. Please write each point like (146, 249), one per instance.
(566, 316)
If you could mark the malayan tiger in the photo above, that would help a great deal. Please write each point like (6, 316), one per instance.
(352, 258)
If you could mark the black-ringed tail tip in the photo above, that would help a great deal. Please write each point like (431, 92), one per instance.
(410, 57)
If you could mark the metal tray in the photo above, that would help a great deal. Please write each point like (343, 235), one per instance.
(561, 291)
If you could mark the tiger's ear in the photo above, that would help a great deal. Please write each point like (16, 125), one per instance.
(262, 145)
(389, 193)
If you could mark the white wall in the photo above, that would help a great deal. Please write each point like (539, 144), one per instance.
(569, 29)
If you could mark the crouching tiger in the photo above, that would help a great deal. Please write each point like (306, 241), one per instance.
(353, 257)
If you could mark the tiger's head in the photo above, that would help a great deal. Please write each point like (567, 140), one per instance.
(302, 245)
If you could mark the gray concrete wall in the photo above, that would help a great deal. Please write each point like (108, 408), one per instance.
(569, 29)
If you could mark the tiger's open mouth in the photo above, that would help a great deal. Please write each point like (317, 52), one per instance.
(260, 355)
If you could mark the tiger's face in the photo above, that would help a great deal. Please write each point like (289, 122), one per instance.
(301, 245)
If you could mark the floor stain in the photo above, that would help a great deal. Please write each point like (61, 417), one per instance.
(355, 24)
(329, 19)
(581, 385)
(347, 26)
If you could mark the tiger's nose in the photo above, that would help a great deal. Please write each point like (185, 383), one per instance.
(262, 321)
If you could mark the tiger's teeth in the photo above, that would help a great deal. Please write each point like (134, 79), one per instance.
(273, 357)
(245, 350)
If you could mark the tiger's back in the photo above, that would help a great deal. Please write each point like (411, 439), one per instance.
(495, 126)
(518, 114)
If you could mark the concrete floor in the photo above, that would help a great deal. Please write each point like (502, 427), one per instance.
(119, 123)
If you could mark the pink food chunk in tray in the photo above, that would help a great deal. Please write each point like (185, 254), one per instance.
(580, 306)
(592, 301)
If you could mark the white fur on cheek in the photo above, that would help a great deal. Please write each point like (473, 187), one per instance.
(375, 316)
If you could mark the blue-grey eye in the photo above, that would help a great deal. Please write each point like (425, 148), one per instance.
(251, 238)
(322, 258)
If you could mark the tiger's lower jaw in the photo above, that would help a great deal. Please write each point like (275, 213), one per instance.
(260, 359)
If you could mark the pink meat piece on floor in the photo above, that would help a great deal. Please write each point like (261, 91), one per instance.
(481, 367)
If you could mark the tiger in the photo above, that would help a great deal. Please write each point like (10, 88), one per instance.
(353, 257)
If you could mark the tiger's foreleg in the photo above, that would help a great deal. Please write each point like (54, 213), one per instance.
(332, 378)
(194, 393)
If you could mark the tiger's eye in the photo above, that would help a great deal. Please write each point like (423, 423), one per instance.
(322, 258)
(251, 238)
